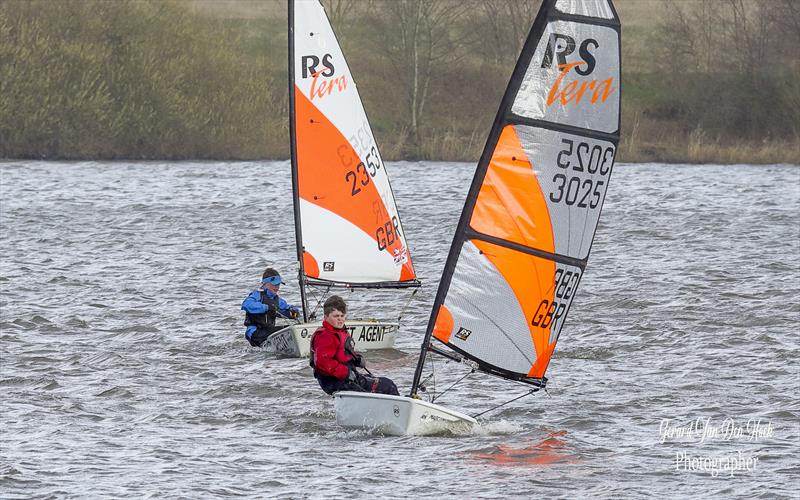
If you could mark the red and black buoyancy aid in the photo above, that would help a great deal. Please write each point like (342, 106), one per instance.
(265, 320)
(345, 351)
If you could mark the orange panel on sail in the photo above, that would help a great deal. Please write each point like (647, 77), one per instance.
(538, 368)
(310, 265)
(511, 204)
(332, 176)
(443, 328)
(533, 281)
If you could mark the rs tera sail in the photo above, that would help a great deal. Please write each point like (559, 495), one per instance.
(348, 229)
(524, 236)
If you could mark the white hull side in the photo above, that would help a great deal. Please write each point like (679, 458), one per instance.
(397, 415)
(295, 340)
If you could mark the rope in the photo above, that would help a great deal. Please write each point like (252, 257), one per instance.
(433, 400)
(313, 314)
(503, 404)
(403, 310)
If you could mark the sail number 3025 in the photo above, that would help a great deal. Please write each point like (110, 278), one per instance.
(573, 188)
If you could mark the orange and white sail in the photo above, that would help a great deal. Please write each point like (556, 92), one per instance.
(526, 230)
(348, 227)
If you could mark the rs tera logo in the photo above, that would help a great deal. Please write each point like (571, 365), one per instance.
(321, 88)
(559, 46)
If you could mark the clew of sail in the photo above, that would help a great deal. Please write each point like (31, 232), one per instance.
(348, 226)
(527, 227)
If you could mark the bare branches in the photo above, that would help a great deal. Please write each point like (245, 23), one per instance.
(339, 10)
(422, 40)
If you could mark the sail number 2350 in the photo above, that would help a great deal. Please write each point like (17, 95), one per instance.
(572, 186)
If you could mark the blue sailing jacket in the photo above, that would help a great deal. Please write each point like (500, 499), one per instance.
(253, 305)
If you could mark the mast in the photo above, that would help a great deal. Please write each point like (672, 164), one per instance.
(298, 233)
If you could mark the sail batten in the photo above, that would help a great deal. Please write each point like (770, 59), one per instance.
(349, 228)
(560, 127)
(564, 259)
(528, 224)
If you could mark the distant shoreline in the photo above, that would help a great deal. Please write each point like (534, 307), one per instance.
(207, 81)
(730, 158)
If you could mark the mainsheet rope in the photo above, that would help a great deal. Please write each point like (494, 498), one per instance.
(435, 397)
(507, 402)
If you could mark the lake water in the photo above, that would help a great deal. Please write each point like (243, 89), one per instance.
(125, 372)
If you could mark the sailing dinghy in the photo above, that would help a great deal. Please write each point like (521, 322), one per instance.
(524, 236)
(347, 228)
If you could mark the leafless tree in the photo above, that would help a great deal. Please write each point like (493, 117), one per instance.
(339, 11)
(419, 37)
(501, 27)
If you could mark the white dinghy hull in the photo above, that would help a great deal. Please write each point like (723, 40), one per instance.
(397, 415)
(295, 340)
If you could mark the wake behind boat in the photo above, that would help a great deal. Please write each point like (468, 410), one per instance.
(347, 228)
(524, 236)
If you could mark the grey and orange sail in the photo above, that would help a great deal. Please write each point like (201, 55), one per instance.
(524, 236)
(348, 228)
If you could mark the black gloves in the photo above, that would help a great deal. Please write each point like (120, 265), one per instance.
(359, 361)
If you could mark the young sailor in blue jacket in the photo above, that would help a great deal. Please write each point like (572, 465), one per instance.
(263, 306)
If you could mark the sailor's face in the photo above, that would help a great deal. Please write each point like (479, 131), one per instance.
(336, 318)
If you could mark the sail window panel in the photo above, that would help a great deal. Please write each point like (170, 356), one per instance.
(506, 308)
(488, 321)
(573, 174)
(591, 8)
(511, 204)
(573, 77)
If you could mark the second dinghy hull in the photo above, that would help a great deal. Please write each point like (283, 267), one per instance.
(295, 340)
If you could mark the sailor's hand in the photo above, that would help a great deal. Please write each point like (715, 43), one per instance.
(272, 309)
(293, 313)
(359, 361)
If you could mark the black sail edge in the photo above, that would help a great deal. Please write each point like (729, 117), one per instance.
(375, 284)
(298, 232)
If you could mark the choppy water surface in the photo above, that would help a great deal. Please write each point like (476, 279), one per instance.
(124, 370)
